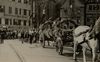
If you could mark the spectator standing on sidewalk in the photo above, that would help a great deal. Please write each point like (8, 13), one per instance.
(2, 33)
(19, 35)
(30, 36)
(22, 37)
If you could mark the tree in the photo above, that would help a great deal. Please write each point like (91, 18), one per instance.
(82, 1)
(59, 3)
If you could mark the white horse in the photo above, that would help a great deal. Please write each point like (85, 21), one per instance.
(82, 36)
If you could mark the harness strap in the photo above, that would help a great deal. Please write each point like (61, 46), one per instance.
(84, 41)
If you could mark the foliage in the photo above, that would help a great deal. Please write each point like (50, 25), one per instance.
(82, 1)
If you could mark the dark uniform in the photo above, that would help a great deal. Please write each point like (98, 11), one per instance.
(22, 37)
(2, 36)
(31, 38)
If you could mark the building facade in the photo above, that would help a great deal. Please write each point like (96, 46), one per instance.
(71, 12)
(45, 9)
(15, 14)
(92, 11)
(79, 11)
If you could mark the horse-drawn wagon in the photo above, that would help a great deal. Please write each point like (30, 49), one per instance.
(57, 32)
(65, 39)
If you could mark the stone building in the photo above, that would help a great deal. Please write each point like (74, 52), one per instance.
(45, 9)
(92, 11)
(15, 14)
(73, 12)
(79, 11)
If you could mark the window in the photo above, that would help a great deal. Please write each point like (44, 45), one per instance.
(7, 21)
(1, 8)
(90, 7)
(13, 0)
(24, 22)
(25, 12)
(95, 7)
(29, 22)
(25, 1)
(14, 22)
(10, 21)
(19, 22)
(0, 21)
(19, 1)
(20, 11)
(29, 12)
(10, 10)
(30, 2)
(16, 10)
(91, 1)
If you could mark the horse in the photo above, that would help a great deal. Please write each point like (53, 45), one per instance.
(82, 36)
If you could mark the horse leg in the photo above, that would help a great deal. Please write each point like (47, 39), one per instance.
(43, 44)
(84, 56)
(48, 43)
(75, 47)
(56, 46)
(94, 55)
(60, 48)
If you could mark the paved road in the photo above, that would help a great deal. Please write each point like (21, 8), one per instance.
(7, 54)
(15, 51)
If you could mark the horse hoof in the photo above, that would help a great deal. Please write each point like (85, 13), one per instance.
(43, 46)
(60, 53)
(56, 50)
(74, 59)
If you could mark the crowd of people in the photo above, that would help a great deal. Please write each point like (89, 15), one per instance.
(48, 29)
(24, 36)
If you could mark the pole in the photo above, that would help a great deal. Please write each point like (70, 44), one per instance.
(85, 4)
(97, 10)
(32, 13)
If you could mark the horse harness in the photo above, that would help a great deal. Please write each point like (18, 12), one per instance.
(85, 41)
